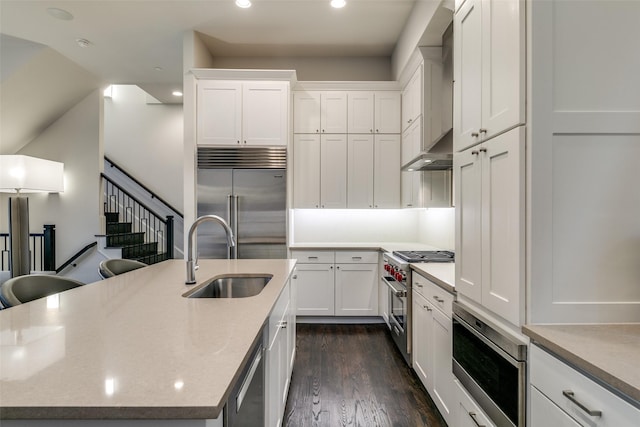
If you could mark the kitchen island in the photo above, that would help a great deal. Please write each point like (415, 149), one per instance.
(132, 347)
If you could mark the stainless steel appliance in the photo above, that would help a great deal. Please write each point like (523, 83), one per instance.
(246, 404)
(397, 277)
(247, 187)
(491, 366)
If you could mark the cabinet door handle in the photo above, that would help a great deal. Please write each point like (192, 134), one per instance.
(475, 419)
(475, 134)
(295, 277)
(483, 131)
(571, 396)
(331, 268)
(417, 284)
(322, 130)
(440, 300)
(377, 130)
(283, 325)
(238, 142)
(317, 131)
(482, 150)
(475, 152)
(409, 121)
(426, 307)
(371, 130)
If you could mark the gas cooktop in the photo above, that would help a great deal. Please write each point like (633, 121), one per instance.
(425, 256)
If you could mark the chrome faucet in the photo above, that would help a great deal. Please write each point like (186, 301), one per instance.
(191, 264)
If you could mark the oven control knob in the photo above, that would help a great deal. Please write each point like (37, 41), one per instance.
(399, 276)
(387, 267)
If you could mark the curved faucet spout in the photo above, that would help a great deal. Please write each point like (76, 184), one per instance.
(191, 265)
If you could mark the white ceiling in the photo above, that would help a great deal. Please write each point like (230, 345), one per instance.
(129, 39)
(140, 41)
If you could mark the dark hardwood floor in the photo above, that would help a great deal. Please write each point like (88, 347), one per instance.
(352, 375)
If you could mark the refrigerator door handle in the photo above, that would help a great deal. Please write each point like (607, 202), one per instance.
(231, 205)
(234, 227)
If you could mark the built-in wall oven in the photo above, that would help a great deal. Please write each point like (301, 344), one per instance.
(397, 277)
(491, 365)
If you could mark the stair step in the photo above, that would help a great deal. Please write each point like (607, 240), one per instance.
(124, 239)
(112, 217)
(119, 227)
(153, 259)
(137, 251)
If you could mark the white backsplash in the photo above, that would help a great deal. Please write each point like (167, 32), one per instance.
(429, 226)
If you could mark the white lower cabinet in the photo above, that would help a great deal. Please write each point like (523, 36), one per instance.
(432, 343)
(279, 355)
(562, 396)
(340, 283)
(467, 413)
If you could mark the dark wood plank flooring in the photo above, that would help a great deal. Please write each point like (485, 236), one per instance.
(352, 375)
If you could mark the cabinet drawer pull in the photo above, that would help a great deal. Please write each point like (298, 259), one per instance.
(570, 395)
(417, 284)
(440, 300)
(475, 152)
(313, 257)
(475, 419)
(426, 307)
(475, 134)
(356, 258)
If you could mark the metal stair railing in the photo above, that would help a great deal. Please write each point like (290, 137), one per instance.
(42, 250)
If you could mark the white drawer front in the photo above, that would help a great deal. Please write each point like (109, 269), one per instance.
(314, 257)
(545, 414)
(576, 394)
(433, 293)
(357, 257)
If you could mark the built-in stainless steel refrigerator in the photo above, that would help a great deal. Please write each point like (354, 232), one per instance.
(247, 187)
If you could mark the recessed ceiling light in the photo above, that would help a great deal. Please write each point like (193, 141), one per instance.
(243, 3)
(176, 93)
(60, 14)
(157, 68)
(83, 42)
(338, 4)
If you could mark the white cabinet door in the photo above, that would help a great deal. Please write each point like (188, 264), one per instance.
(489, 70)
(503, 66)
(360, 112)
(265, 113)
(306, 171)
(315, 292)
(467, 412)
(544, 413)
(387, 112)
(422, 339)
(356, 292)
(412, 99)
(219, 115)
(432, 102)
(333, 112)
(306, 112)
(386, 178)
(468, 223)
(503, 225)
(411, 189)
(360, 171)
(333, 171)
(274, 379)
(442, 391)
(436, 189)
(411, 142)
(467, 63)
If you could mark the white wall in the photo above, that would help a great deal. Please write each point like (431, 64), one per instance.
(146, 140)
(376, 68)
(437, 227)
(75, 140)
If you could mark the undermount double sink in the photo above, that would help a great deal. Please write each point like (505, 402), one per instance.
(231, 286)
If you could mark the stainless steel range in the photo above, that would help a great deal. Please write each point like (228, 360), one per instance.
(397, 277)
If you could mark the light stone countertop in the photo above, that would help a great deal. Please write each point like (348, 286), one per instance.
(131, 346)
(607, 352)
(441, 273)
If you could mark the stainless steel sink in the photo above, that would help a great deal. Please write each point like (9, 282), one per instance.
(231, 286)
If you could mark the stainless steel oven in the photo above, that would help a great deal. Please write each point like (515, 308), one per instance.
(491, 366)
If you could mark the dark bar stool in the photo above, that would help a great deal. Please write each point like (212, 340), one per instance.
(113, 267)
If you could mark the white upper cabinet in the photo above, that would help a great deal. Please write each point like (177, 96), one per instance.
(387, 112)
(489, 70)
(242, 113)
(360, 112)
(320, 112)
(412, 99)
(490, 224)
(373, 112)
(360, 175)
(320, 171)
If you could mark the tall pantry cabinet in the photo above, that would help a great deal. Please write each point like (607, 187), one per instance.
(489, 158)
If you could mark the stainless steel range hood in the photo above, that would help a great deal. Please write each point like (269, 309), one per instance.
(438, 158)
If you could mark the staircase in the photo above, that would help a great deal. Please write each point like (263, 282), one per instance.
(134, 244)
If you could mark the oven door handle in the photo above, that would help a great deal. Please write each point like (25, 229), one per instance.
(396, 292)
